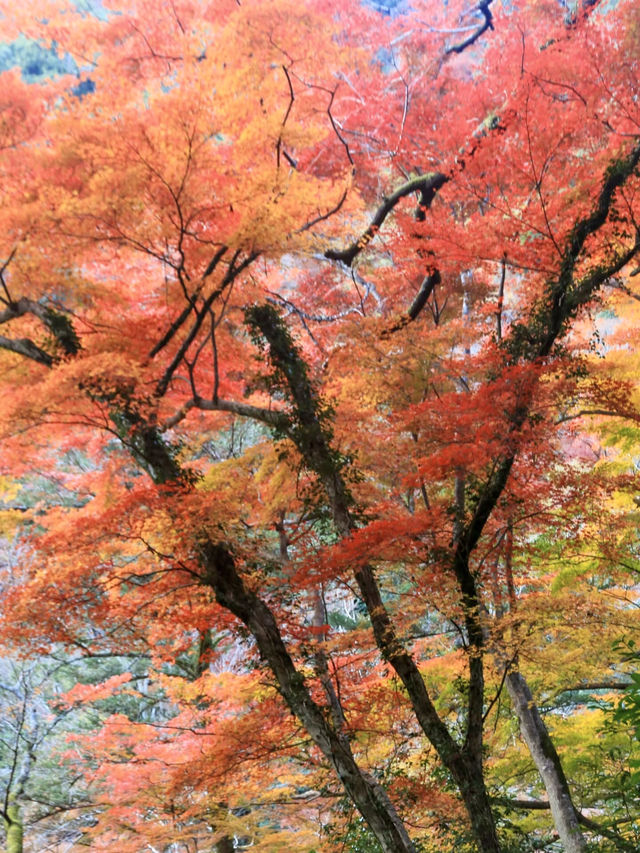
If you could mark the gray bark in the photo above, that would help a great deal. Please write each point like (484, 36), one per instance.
(547, 761)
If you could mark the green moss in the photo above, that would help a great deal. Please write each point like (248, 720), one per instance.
(13, 826)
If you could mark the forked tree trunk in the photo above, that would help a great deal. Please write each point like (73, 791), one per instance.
(547, 761)
(312, 436)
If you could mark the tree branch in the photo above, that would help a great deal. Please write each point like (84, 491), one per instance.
(56, 322)
(426, 289)
(483, 8)
(26, 347)
(543, 805)
(229, 277)
(426, 185)
(177, 323)
(267, 416)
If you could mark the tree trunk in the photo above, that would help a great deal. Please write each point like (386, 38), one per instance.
(547, 761)
(369, 797)
(312, 435)
(225, 845)
(220, 574)
(476, 800)
(464, 763)
(13, 826)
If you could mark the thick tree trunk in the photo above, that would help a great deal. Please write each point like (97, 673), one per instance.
(14, 830)
(365, 792)
(476, 800)
(220, 574)
(547, 761)
(225, 845)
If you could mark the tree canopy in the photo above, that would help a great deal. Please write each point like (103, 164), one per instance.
(319, 419)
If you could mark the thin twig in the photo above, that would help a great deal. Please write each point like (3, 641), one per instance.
(292, 98)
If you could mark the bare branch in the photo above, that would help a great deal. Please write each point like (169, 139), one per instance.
(426, 289)
(228, 279)
(321, 217)
(426, 185)
(8, 299)
(178, 322)
(271, 417)
(483, 8)
(596, 685)
(26, 347)
(503, 274)
(292, 98)
(605, 413)
(336, 130)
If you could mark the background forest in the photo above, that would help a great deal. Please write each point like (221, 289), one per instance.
(320, 426)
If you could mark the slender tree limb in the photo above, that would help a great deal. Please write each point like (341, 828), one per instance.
(503, 274)
(322, 216)
(528, 805)
(598, 829)
(544, 805)
(229, 277)
(271, 417)
(483, 8)
(7, 297)
(604, 413)
(292, 98)
(336, 130)
(180, 320)
(596, 685)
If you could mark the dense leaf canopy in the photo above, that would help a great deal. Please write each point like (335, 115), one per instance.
(319, 419)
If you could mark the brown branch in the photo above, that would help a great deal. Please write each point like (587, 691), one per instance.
(605, 413)
(482, 7)
(426, 289)
(620, 842)
(529, 805)
(336, 130)
(214, 353)
(3, 268)
(426, 185)
(245, 410)
(321, 217)
(228, 279)
(503, 275)
(26, 347)
(542, 805)
(271, 417)
(179, 321)
(596, 685)
(292, 98)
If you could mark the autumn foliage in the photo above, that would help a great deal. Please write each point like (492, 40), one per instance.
(320, 326)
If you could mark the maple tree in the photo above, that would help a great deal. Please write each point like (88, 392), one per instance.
(299, 307)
